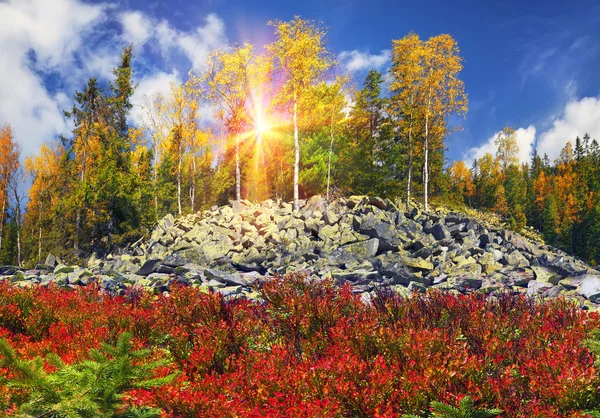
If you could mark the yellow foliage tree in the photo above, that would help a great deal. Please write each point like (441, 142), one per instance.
(300, 59)
(43, 170)
(407, 74)
(461, 180)
(9, 163)
(228, 82)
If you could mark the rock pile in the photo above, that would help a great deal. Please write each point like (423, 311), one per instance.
(367, 242)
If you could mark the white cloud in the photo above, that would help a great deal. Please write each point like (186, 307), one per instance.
(354, 61)
(137, 27)
(48, 48)
(525, 141)
(196, 45)
(578, 118)
(38, 36)
(148, 86)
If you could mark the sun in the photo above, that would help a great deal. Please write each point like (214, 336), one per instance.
(261, 124)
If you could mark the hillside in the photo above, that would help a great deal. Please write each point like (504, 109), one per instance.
(366, 242)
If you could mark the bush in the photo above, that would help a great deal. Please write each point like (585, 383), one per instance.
(310, 349)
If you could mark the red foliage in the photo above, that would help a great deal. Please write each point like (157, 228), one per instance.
(313, 349)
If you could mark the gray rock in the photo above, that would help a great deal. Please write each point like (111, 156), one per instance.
(360, 276)
(173, 260)
(516, 259)
(148, 267)
(545, 274)
(464, 284)
(590, 288)
(522, 276)
(440, 232)
(535, 288)
(363, 249)
(50, 260)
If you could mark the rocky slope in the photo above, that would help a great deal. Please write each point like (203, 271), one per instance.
(367, 242)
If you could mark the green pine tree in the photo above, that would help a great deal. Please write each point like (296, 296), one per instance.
(89, 389)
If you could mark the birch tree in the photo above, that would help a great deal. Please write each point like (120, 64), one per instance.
(228, 82)
(300, 59)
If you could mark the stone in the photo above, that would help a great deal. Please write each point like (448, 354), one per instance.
(148, 267)
(229, 290)
(330, 217)
(467, 269)
(440, 232)
(173, 260)
(553, 292)
(516, 259)
(356, 276)
(545, 274)
(590, 288)
(522, 276)
(417, 287)
(378, 203)
(464, 283)
(535, 288)
(50, 260)
(217, 249)
(572, 283)
(212, 283)
(416, 263)
(363, 249)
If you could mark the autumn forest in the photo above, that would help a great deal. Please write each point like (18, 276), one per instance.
(285, 123)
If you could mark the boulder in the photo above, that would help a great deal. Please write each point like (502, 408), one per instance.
(363, 249)
(535, 288)
(440, 232)
(516, 259)
(50, 260)
(522, 276)
(545, 274)
(148, 267)
(590, 288)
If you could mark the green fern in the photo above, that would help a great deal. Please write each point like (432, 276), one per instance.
(466, 409)
(92, 388)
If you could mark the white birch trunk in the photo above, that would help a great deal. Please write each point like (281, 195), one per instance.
(237, 169)
(297, 156)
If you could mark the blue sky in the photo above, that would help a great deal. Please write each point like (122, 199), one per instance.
(529, 64)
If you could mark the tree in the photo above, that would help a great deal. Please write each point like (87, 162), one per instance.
(180, 113)
(300, 58)
(9, 162)
(486, 177)
(322, 107)
(500, 206)
(87, 114)
(17, 199)
(507, 148)
(461, 181)
(153, 112)
(550, 218)
(94, 387)
(443, 94)
(407, 74)
(44, 171)
(229, 81)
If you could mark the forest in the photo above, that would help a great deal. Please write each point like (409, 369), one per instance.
(286, 124)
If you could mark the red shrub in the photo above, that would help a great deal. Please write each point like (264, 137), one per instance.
(314, 349)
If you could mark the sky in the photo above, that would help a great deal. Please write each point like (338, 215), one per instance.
(532, 65)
